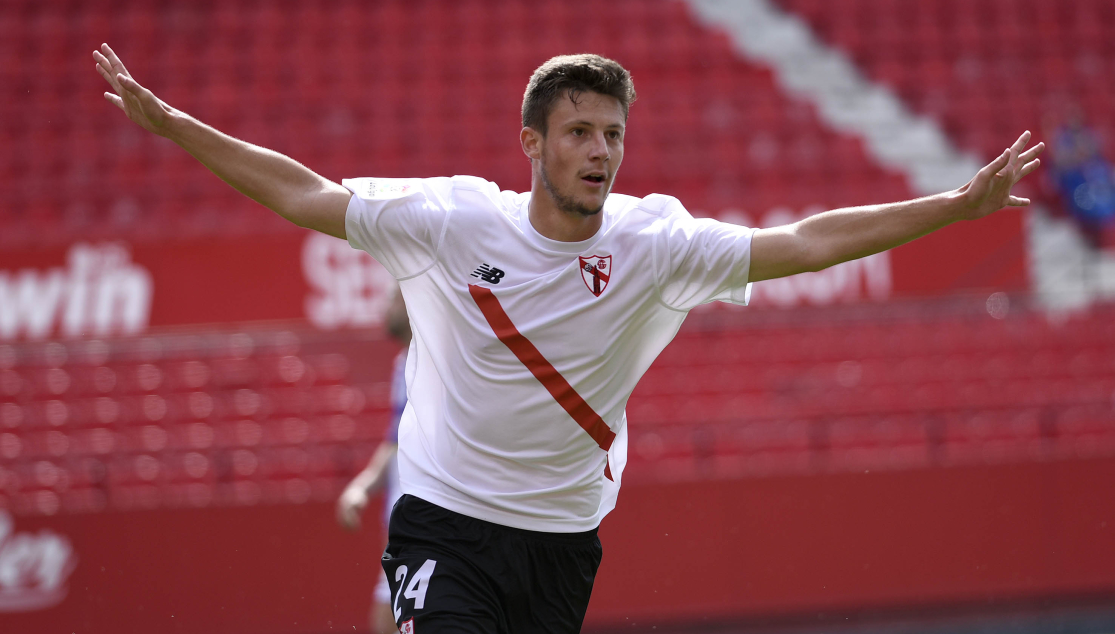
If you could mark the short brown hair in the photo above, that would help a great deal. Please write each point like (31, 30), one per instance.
(572, 75)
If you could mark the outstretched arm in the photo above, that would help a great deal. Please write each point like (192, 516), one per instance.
(832, 237)
(277, 182)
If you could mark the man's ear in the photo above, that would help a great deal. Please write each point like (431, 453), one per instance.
(532, 143)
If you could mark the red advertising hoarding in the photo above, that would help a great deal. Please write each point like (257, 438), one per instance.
(114, 288)
(687, 552)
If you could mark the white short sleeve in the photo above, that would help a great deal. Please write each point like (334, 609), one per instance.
(701, 260)
(398, 221)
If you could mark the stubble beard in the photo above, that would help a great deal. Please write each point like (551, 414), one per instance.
(567, 203)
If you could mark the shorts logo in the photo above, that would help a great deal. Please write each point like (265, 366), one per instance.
(596, 270)
(407, 627)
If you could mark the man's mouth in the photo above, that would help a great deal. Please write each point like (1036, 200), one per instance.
(594, 178)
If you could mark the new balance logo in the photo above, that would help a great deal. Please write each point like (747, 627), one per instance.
(488, 273)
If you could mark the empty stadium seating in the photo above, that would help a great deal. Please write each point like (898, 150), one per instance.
(217, 418)
(887, 387)
(403, 89)
(288, 416)
(984, 70)
(386, 89)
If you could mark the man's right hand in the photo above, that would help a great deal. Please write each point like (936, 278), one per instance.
(277, 182)
(140, 104)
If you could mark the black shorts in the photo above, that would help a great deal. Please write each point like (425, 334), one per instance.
(453, 573)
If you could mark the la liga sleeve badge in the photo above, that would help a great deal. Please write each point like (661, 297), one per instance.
(596, 270)
(387, 188)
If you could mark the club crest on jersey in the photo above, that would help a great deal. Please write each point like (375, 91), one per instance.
(407, 627)
(596, 270)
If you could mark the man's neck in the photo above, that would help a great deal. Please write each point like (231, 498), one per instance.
(552, 222)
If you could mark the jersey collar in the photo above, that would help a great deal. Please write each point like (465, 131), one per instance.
(556, 246)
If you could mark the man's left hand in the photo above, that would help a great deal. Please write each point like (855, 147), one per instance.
(990, 190)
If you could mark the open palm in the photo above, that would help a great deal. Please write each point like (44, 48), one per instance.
(989, 191)
(140, 104)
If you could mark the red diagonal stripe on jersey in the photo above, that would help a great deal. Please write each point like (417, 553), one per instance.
(542, 369)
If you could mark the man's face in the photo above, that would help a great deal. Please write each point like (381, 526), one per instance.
(581, 151)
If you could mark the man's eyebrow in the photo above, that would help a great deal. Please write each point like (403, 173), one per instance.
(591, 125)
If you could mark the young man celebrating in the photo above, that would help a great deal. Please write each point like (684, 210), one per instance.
(534, 315)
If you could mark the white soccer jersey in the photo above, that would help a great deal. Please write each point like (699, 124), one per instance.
(525, 350)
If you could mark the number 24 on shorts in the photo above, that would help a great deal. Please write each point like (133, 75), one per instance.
(416, 589)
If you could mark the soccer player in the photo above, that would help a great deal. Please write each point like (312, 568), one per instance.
(382, 471)
(534, 316)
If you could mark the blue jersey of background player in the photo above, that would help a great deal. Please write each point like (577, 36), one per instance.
(382, 470)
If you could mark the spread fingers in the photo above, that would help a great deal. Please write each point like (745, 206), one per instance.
(104, 67)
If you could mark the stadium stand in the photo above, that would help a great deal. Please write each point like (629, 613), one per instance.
(876, 388)
(359, 89)
(981, 69)
(288, 416)
(354, 88)
(754, 428)
(187, 420)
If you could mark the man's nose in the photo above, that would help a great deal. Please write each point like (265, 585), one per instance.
(599, 147)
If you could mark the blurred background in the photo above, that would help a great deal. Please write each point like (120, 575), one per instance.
(921, 441)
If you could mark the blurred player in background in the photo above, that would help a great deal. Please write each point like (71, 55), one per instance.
(534, 315)
(1084, 178)
(383, 469)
